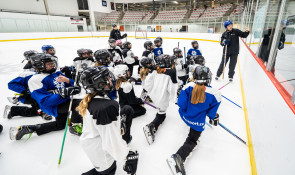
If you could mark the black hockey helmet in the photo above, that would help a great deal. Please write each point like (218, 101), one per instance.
(89, 51)
(103, 56)
(161, 39)
(39, 61)
(157, 42)
(177, 52)
(126, 44)
(147, 62)
(195, 42)
(112, 43)
(148, 45)
(199, 59)
(96, 79)
(114, 25)
(165, 61)
(82, 51)
(29, 53)
(202, 75)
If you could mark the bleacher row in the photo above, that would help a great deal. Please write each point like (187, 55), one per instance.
(238, 11)
(178, 15)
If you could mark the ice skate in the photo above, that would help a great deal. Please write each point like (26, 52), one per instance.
(176, 165)
(150, 132)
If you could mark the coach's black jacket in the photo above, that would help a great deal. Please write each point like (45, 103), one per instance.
(233, 37)
(116, 34)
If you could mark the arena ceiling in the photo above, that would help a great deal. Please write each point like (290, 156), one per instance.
(171, 4)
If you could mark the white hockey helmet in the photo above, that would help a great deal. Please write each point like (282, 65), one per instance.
(121, 70)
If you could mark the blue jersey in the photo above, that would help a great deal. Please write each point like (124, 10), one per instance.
(194, 115)
(41, 84)
(193, 52)
(20, 83)
(158, 51)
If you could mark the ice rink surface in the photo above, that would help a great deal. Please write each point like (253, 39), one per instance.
(218, 152)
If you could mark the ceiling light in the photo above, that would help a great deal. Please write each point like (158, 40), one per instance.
(175, 2)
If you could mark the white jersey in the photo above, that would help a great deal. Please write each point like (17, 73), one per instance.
(101, 138)
(83, 63)
(162, 88)
(191, 69)
(179, 67)
(129, 59)
(116, 52)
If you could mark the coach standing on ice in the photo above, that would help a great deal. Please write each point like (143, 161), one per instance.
(230, 39)
(116, 34)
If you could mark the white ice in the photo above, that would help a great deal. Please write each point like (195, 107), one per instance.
(218, 152)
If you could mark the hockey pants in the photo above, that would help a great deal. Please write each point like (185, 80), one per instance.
(189, 144)
(25, 111)
(61, 118)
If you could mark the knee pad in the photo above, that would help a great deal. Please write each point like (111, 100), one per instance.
(126, 110)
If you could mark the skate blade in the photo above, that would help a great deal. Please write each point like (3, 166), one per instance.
(12, 133)
(148, 139)
(172, 165)
(10, 99)
(5, 113)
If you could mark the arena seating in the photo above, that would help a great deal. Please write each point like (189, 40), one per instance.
(170, 15)
(148, 16)
(133, 16)
(216, 12)
(196, 14)
(111, 17)
(238, 11)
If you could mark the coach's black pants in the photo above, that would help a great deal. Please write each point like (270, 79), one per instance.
(189, 144)
(232, 65)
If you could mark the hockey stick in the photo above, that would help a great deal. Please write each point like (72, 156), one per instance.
(68, 120)
(224, 85)
(287, 80)
(150, 104)
(229, 131)
(208, 125)
(225, 128)
(224, 61)
(232, 102)
(184, 55)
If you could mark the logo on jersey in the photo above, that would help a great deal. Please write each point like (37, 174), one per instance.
(159, 52)
(57, 84)
(84, 66)
(194, 53)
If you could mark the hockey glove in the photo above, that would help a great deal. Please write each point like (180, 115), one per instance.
(131, 163)
(124, 36)
(66, 92)
(215, 121)
(25, 94)
(281, 45)
(184, 66)
(225, 42)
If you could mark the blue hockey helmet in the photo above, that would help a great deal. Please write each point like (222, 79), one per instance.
(227, 23)
(45, 48)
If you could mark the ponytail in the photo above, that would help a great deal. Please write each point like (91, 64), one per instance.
(160, 70)
(84, 104)
(96, 64)
(143, 73)
(119, 82)
(198, 94)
